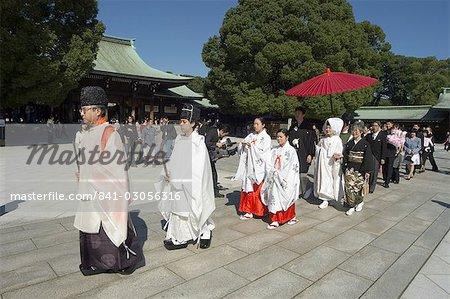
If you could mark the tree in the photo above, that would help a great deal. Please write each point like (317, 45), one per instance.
(197, 84)
(413, 81)
(47, 47)
(267, 46)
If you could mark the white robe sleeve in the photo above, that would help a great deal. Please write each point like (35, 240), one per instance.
(110, 179)
(336, 146)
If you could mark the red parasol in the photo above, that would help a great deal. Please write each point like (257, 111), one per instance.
(330, 83)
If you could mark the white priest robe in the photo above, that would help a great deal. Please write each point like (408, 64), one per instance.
(253, 160)
(281, 187)
(191, 187)
(106, 183)
(327, 170)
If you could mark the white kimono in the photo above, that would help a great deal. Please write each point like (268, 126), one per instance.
(108, 181)
(281, 187)
(191, 181)
(327, 170)
(253, 160)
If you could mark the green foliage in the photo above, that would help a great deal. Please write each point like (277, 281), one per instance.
(197, 84)
(414, 81)
(47, 46)
(268, 46)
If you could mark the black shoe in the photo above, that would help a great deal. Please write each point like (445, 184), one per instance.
(385, 185)
(220, 187)
(128, 270)
(205, 243)
(91, 271)
(170, 246)
(371, 191)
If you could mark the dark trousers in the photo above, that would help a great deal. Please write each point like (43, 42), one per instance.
(214, 174)
(98, 251)
(396, 175)
(130, 148)
(374, 176)
(388, 169)
(430, 156)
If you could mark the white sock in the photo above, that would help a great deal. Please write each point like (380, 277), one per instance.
(206, 235)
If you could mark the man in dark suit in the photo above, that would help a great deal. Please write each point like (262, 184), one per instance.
(303, 138)
(388, 157)
(377, 140)
(205, 127)
(212, 137)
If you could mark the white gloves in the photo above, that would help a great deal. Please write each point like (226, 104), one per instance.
(295, 142)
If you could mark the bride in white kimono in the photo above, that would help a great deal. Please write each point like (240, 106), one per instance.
(327, 171)
(281, 187)
(188, 181)
(254, 153)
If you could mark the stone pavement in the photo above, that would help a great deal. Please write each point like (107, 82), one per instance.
(394, 248)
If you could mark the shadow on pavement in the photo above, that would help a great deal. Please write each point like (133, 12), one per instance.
(444, 204)
(142, 232)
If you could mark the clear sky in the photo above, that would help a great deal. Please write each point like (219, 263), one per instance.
(170, 33)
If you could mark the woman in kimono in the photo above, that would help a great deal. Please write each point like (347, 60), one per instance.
(254, 153)
(189, 186)
(328, 173)
(359, 163)
(281, 187)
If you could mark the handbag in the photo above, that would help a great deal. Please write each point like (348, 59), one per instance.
(365, 188)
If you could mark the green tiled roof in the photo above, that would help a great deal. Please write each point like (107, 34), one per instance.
(443, 101)
(206, 103)
(179, 92)
(185, 92)
(118, 57)
(392, 112)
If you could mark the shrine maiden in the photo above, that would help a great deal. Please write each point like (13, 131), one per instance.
(254, 153)
(282, 185)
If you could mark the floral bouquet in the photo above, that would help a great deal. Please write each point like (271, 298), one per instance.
(354, 183)
(396, 138)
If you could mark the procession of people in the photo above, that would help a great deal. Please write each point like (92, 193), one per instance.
(346, 157)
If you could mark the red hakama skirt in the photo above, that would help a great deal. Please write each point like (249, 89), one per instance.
(283, 216)
(251, 201)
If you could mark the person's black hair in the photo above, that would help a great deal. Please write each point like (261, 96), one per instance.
(284, 131)
(103, 111)
(224, 128)
(346, 118)
(300, 108)
(261, 119)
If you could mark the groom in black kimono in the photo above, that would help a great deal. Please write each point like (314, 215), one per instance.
(303, 138)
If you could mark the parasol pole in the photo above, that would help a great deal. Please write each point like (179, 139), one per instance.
(331, 104)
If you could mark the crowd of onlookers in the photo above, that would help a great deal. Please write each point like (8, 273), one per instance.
(146, 142)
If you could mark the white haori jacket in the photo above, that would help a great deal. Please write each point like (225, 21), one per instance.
(191, 192)
(281, 187)
(253, 160)
(328, 184)
(107, 184)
